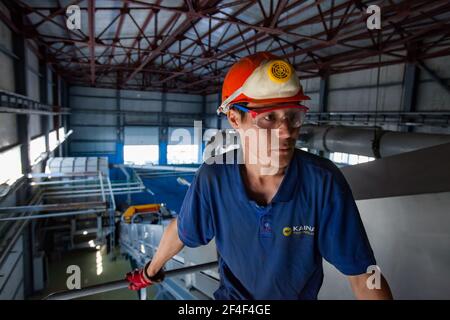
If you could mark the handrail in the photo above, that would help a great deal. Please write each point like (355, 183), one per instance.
(54, 215)
(120, 284)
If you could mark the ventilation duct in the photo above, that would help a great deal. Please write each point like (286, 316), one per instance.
(368, 142)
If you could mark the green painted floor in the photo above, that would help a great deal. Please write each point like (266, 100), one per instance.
(87, 261)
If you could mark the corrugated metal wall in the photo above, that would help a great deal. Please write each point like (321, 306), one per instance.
(17, 268)
(103, 119)
(33, 86)
(357, 91)
(8, 129)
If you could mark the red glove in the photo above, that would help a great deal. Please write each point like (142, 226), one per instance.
(139, 279)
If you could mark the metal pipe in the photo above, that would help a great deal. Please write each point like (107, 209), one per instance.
(164, 173)
(43, 183)
(137, 175)
(93, 174)
(183, 182)
(120, 284)
(104, 208)
(53, 215)
(86, 191)
(392, 143)
(92, 194)
(133, 184)
(8, 243)
(168, 168)
(100, 178)
(154, 176)
(51, 207)
(368, 142)
(113, 201)
(124, 171)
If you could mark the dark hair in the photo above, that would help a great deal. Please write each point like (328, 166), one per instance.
(241, 113)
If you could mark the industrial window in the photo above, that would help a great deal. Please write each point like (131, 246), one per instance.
(182, 154)
(141, 154)
(349, 159)
(11, 165)
(52, 140)
(61, 134)
(182, 148)
(141, 145)
(37, 149)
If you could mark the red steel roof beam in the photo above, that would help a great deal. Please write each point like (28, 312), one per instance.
(167, 42)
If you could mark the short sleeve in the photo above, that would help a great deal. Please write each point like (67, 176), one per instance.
(342, 238)
(194, 222)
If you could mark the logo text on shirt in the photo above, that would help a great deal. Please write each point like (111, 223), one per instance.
(298, 230)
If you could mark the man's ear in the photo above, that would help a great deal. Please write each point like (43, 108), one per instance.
(234, 118)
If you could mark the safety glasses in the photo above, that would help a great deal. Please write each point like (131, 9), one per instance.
(272, 118)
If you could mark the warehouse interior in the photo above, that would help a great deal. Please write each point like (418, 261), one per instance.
(97, 98)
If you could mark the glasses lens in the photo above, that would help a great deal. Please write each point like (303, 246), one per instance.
(266, 120)
(273, 120)
(297, 118)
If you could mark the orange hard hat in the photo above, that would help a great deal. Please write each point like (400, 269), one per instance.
(261, 78)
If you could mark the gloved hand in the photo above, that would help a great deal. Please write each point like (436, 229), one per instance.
(139, 279)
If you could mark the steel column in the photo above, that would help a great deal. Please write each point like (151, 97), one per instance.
(410, 87)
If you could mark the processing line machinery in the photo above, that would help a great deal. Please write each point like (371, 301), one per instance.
(140, 234)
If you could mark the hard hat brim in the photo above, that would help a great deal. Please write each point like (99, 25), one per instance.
(297, 98)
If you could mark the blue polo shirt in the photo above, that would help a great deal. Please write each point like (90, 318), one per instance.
(276, 251)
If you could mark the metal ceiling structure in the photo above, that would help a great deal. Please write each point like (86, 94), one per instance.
(187, 46)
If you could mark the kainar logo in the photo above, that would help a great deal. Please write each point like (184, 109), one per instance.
(287, 231)
(298, 230)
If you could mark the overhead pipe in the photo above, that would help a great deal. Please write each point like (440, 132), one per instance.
(375, 142)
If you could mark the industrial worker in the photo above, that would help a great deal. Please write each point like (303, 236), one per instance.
(275, 220)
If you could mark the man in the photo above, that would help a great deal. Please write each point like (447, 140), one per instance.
(276, 217)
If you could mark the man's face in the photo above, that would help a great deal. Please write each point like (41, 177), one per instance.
(277, 144)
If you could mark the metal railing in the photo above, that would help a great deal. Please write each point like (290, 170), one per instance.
(70, 186)
(120, 284)
(16, 103)
(421, 118)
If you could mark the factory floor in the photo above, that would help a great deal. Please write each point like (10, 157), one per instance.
(91, 263)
